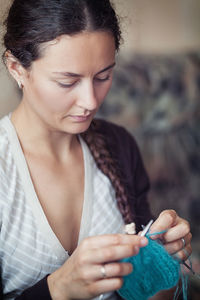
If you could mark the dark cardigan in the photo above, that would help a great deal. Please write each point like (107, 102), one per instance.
(125, 151)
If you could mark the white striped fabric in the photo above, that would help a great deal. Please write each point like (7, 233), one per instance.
(29, 249)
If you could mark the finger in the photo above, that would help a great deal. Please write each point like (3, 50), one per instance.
(182, 229)
(184, 253)
(93, 273)
(117, 269)
(100, 241)
(104, 286)
(166, 220)
(177, 245)
(110, 254)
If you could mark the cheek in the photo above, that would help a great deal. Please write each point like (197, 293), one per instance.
(103, 91)
(53, 98)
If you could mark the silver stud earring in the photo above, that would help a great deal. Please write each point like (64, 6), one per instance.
(20, 85)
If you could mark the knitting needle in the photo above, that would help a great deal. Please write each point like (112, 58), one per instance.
(146, 228)
(189, 268)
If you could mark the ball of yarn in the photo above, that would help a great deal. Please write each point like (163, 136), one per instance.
(153, 270)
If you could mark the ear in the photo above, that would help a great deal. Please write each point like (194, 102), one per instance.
(15, 68)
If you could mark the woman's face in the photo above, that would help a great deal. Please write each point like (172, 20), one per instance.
(67, 85)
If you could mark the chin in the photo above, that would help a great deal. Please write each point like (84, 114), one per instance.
(78, 128)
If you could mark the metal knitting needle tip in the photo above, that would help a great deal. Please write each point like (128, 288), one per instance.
(146, 228)
(189, 268)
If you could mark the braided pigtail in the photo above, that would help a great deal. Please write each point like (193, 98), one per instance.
(106, 163)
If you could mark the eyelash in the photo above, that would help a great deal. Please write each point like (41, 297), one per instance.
(70, 85)
(102, 79)
(65, 85)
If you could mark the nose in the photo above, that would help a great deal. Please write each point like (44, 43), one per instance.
(87, 97)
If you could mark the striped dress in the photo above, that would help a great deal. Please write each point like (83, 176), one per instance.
(29, 249)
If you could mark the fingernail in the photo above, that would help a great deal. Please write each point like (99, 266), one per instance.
(154, 237)
(143, 241)
(137, 249)
(176, 256)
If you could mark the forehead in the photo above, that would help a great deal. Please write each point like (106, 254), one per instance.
(78, 53)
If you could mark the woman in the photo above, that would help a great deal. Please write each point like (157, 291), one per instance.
(69, 183)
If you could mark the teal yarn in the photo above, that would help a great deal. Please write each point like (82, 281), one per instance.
(154, 269)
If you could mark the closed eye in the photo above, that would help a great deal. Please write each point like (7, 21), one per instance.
(64, 85)
(102, 79)
(97, 79)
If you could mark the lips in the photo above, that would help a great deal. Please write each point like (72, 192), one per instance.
(80, 115)
(80, 118)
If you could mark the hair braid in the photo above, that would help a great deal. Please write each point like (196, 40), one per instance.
(106, 163)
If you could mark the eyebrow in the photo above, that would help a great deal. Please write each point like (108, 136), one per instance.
(80, 75)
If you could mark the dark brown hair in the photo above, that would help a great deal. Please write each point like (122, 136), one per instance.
(33, 22)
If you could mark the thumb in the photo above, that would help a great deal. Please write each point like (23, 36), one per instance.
(166, 220)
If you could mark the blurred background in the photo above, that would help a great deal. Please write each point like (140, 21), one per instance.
(155, 95)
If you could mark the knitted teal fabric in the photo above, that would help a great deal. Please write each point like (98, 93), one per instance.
(153, 270)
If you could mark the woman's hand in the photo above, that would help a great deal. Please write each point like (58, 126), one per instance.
(177, 239)
(94, 267)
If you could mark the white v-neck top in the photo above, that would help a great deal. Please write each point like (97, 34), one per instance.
(29, 249)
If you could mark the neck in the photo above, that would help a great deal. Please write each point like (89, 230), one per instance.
(38, 137)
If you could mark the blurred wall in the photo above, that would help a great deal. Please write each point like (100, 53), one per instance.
(9, 97)
(160, 25)
(148, 25)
